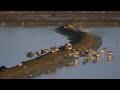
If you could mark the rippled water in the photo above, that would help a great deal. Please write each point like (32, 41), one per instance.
(15, 41)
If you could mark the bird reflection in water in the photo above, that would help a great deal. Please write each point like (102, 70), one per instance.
(85, 60)
(109, 59)
(109, 56)
(96, 55)
(52, 71)
(73, 64)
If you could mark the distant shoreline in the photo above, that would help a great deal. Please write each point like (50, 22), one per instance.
(57, 22)
(45, 18)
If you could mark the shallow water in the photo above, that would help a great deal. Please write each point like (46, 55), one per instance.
(15, 41)
(102, 69)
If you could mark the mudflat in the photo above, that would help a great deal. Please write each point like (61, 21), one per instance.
(50, 61)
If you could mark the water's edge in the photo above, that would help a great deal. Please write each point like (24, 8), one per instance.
(44, 63)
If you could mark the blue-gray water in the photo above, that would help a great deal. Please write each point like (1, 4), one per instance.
(15, 41)
(103, 69)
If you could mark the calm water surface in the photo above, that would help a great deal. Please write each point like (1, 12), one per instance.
(103, 69)
(15, 41)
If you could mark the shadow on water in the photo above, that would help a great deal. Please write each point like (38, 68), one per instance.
(87, 61)
(74, 36)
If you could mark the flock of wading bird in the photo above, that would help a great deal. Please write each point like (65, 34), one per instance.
(88, 54)
(92, 54)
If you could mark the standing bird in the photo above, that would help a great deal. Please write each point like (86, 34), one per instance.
(37, 53)
(30, 54)
(70, 53)
(102, 49)
(54, 48)
(44, 51)
(109, 54)
(68, 46)
(97, 56)
(76, 53)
